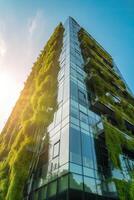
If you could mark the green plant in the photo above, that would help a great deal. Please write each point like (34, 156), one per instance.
(31, 116)
(104, 83)
(104, 77)
(114, 148)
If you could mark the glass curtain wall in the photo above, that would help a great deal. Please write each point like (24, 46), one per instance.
(78, 159)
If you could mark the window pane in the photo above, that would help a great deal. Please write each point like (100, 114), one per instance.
(43, 193)
(76, 181)
(74, 112)
(75, 168)
(75, 146)
(52, 189)
(82, 97)
(89, 185)
(56, 149)
(88, 172)
(87, 153)
(84, 117)
(74, 91)
(64, 145)
(63, 183)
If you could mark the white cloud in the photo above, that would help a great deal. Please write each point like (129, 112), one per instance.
(34, 22)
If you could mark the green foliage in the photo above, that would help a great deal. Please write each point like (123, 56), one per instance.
(114, 148)
(32, 114)
(113, 134)
(123, 189)
(103, 83)
(104, 79)
(91, 43)
(120, 121)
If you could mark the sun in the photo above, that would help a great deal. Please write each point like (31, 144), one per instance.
(8, 96)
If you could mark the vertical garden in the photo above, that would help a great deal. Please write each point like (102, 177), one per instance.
(21, 137)
(108, 91)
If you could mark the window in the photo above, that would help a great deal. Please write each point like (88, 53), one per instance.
(75, 168)
(74, 112)
(74, 91)
(87, 153)
(80, 76)
(89, 184)
(88, 172)
(52, 189)
(75, 146)
(77, 51)
(64, 145)
(84, 117)
(43, 193)
(56, 149)
(73, 72)
(76, 181)
(82, 97)
(63, 183)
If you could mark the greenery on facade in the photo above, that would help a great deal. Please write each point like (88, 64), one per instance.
(113, 134)
(101, 73)
(107, 87)
(20, 139)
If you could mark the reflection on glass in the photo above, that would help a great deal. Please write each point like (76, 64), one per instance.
(76, 182)
(52, 188)
(89, 185)
(74, 91)
(87, 151)
(75, 168)
(64, 145)
(75, 146)
(43, 193)
(63, 183)
(88, 172)
(64, 169)
(84, 117)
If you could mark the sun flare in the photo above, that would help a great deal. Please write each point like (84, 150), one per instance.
(8, 95)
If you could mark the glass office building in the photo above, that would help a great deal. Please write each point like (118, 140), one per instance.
(79, 165)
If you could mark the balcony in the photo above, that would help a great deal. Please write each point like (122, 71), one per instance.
(100, 106)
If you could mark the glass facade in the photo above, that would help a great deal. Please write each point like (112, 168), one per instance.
(78, 159)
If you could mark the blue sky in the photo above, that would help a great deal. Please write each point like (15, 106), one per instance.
(25, 26)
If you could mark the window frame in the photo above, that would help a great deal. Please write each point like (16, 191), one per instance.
(56, 143)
